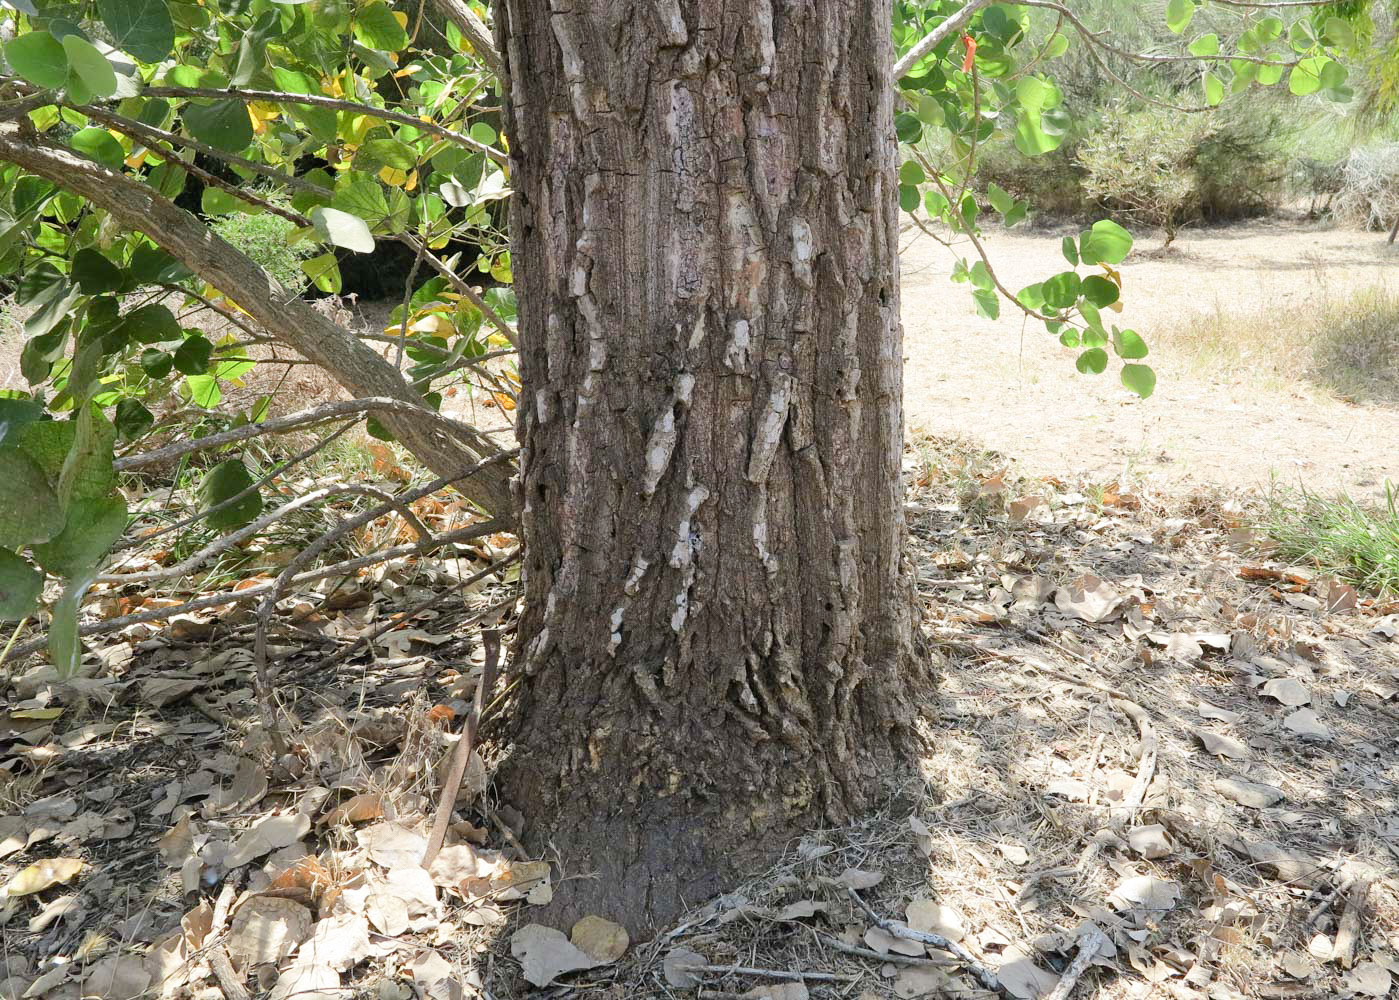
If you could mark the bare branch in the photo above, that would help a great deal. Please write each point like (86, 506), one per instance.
(361, 371)
(336, 104)
(321, 414)
(474, 31)
(934, 38)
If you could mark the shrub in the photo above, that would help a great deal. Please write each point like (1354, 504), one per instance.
(264, 237)
(1369, 195)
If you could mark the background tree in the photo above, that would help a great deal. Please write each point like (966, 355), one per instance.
(717, 646)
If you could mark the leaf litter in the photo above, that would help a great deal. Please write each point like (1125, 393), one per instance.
(1213, 865)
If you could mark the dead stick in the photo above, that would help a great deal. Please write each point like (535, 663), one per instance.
(1343, 951)
(222, 967)
(1088, 944)
(791, 977)
(461, 753)
(983, 975)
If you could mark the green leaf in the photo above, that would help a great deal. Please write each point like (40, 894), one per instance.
(379, 153)
(223, 482)
(90, 66)
(1093, 361)
(203, 390)
(911, 172)
(1105, 243)
(1339, 33)
(1205, 45)
(324, 272)
(192, 357)
(94, 526)
(1214, 88)
(132, 419)
(1070, 246)
(908, 197)
(98, 144)
(988, 304)
(95, 274)
(342, 229)
(483, 134)
(151, 324)
(1031, 296)
(1140, 379)
(1031, 93)
(217, 201)
(907, 127)
(65, 648)
(16, 414)
(141, 27)
(981, 276)
(1100, 291)
(1306, 76)
(1128, 344)
(20, 587)
(252, 48)
(39, 58)
(377, 28)
(156, 363)
(1031, 138)
(31, 512)
(224, 124)
(1178, 14)
(87, 471)
(1001, 199)
(150, 266)
(1061, 291)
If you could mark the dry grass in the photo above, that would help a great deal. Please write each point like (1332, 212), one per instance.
(1347, 346)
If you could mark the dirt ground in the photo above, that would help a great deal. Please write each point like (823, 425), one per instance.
(1021, 395)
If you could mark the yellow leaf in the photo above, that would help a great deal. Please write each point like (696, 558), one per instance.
(37, 714)
(1116, 278)
(393, 177)
(401, 18)
(41, 875)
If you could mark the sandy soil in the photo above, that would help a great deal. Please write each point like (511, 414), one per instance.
(1020, 395)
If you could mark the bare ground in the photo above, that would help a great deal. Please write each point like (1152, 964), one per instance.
(1019, 393)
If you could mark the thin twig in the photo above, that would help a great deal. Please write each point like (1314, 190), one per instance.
(981, 973)
(1089, 942)
(229, 982)
(1343, 949)
(791, 977)
(878, 956)
(461, 753)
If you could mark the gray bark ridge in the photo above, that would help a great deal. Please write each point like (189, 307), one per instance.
(281, 312)
(717, 631)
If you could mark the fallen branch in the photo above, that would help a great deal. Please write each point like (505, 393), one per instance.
(1089, 942)
(461, 753)
(981, 973)
(791, 977)
(1343, 950)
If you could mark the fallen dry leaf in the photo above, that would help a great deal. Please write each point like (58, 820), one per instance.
(41, 875)
(267, 929)
(391, 845)
(307, 980)
(676, 967)
(268, 835)
(779, 991)
(1089, 598)
(601, 940)
(933, 917)
(920, 981)
(357, 809)
(337, 942)
(1022, 977)
(1150, 842)
(1252, 794)
(1221, 744)
(1209, 711)
(883, 942)
(1146, 892)
(1306, 724)
(854, 878)
(545, 954)
(117, 977)
(1369, 979)
(1287, 691)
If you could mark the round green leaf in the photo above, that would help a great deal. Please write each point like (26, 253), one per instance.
(483, 134)
(1100, 291)
(98, 144)
(20, 586)
(1128, 344)
(31, 512)
(1306, 76)
(39, 58)
(94, 273)
(223, 482)
(1140, 379)
(1178, 14)
(151, 324)
(907, 127)
(141, 27)
(132, 418)
(1205, 45)
(224, 124)
(1105, 243)
(912, 173)
(90, 66)
(1070, 247)
(93, 527)
(342, 229)
(908, 197)
(324, 272)
(217, 201)
(1062, 290)
(192, 357)
(1093, 361)
(156, 363)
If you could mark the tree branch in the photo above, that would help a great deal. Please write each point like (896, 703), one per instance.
(474, 31)
(934, 38)
(299, 326)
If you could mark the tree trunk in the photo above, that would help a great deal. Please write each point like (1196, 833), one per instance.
(717, 647)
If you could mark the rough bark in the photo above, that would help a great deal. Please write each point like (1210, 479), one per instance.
(287, 317)
(717, 646)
